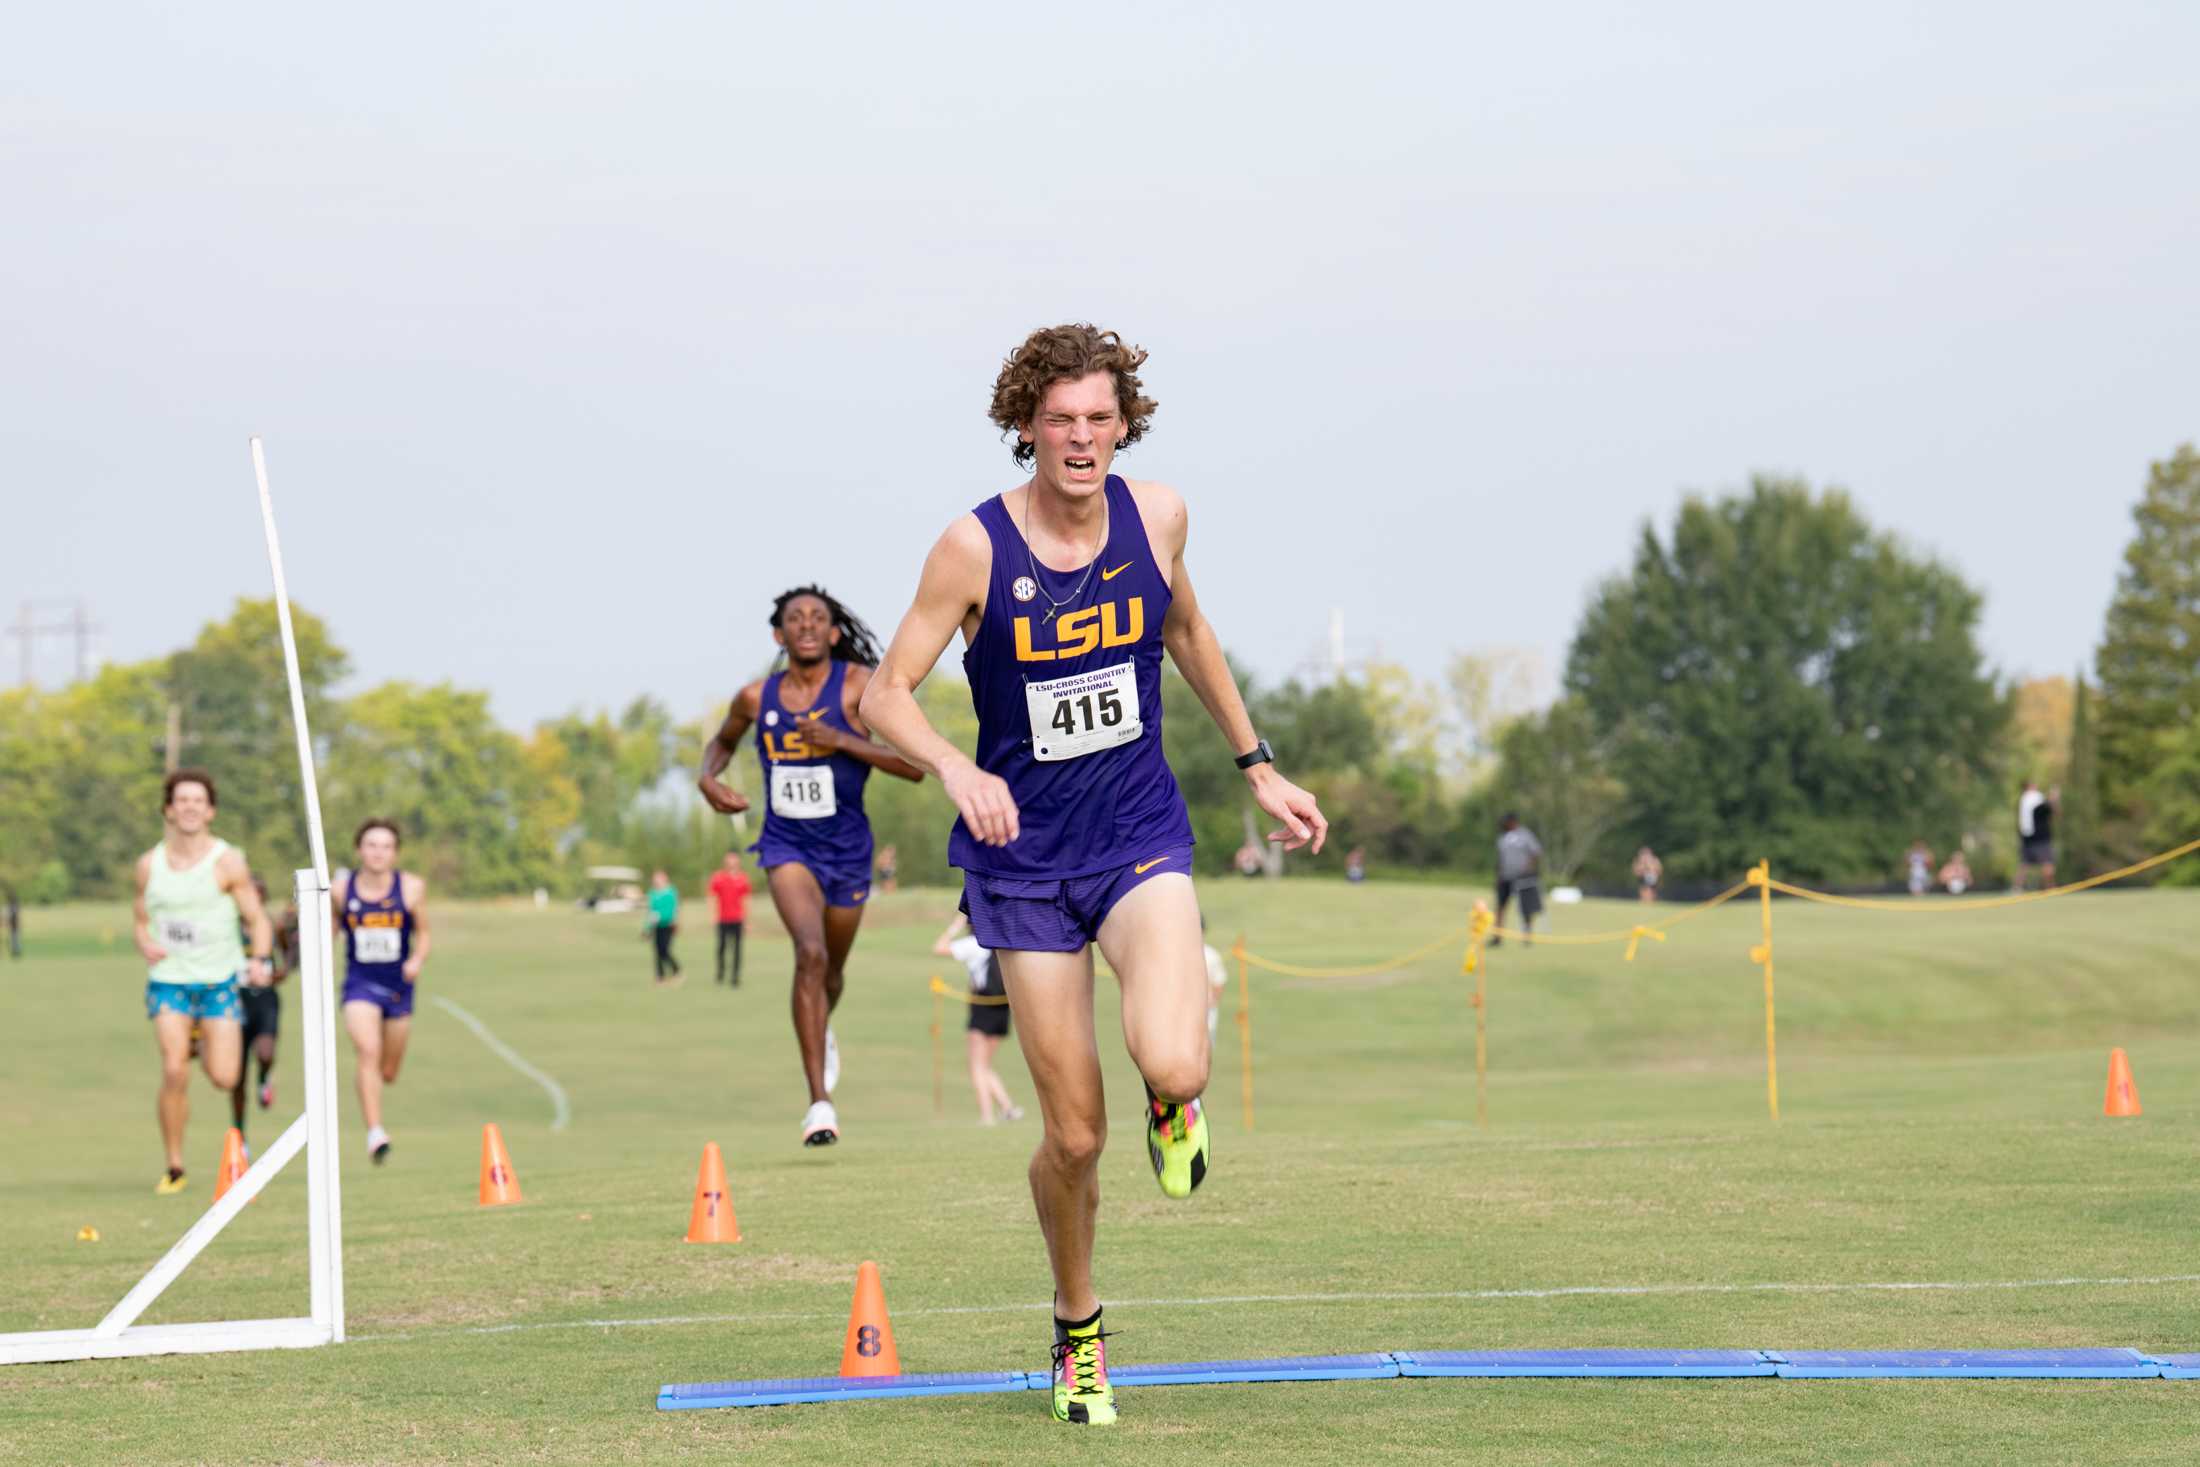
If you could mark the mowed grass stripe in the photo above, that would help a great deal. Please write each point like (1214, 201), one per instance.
(1941, 1086)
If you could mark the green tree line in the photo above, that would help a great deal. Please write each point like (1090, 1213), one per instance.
(1770, 675)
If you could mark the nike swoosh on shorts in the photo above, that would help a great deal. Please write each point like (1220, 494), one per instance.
(1141, 870)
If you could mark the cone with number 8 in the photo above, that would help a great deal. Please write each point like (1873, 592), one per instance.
(869, 1348)
(499, 1184)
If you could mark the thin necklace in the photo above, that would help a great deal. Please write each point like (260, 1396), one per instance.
(1079, 589)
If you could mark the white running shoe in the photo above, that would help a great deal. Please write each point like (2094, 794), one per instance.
(820, 1124)
(832, 1061)
(378, 1145)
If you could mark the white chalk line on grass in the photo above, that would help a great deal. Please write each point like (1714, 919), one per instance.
(1615, 1291)
(562, 1108)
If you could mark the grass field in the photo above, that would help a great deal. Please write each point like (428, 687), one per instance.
(1941, 1082)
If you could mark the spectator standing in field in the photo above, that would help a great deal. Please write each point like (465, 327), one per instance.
(2036, 832)
(1956, 874)
(1920, 864)
(729, 884)
(987, 1024)
(1355, 864)
(1250, 861)
(1649, 871)
(889, 865)
(664, 921)
(1519, 873)
(15, 925)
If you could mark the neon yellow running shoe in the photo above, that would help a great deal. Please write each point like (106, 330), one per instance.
(1082, 1394)
(171, 1182)
(1176, 1140)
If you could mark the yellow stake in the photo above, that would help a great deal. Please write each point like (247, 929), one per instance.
(1245, 1028)
(939, 1062)
(1760, 876)
(1478, 929)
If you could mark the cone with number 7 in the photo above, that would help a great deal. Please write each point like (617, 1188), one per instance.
(869, 1348)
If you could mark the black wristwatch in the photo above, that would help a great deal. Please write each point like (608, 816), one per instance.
(1261, 754)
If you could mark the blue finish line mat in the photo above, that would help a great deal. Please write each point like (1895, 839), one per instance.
(2116, 1364)
(1964, 1364)
(1635, 1363)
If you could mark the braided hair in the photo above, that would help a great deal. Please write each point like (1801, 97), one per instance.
(857, 642)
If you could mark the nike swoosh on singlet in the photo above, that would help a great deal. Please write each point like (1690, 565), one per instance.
(1141, 870)
(1109, 575)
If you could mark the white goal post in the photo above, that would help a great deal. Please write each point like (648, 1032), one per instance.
(314, 1133)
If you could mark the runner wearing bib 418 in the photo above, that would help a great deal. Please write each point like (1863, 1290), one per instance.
(815, 848)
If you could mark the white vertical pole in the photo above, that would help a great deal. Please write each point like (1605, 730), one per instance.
(331, 1088)
(312, 987)
(324, 1204)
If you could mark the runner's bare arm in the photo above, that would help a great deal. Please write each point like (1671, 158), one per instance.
(236, 879)
(950, 594)
(416, 902)
(1197, 653)
(740, 716)
(148, 949)
(856, 746)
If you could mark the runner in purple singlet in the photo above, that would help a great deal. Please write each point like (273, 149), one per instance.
(1067, 589)
(816, 756)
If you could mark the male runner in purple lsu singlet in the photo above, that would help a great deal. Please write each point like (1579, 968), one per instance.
(1067, 589)
(816, 843)
(383, 914)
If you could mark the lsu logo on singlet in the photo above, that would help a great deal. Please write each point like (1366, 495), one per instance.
(793, 745)
(1109, 624)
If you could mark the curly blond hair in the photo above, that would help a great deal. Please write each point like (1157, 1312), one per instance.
(1063, 354)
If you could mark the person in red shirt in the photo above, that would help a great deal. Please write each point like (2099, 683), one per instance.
(730, 885)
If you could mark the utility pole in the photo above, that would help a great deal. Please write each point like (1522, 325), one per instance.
(28, 629)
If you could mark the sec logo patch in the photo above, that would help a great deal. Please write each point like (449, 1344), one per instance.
(1024, 589)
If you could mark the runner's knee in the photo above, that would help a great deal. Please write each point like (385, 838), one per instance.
(810, 961)
(1179, 1076)
(1074, 1145)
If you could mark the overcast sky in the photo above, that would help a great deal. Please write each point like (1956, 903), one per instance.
(576, 332)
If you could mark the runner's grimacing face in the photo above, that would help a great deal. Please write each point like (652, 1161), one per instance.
(189, 810)
(806, 630)
(1076, 432)
(378, 852)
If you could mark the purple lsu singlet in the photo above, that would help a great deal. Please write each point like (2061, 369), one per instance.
(377, 935)
(813, 809)
(1069, 704)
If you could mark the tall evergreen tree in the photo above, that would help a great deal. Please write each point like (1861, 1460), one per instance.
(2149, 660)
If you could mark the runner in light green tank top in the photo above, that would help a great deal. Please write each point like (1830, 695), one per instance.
(193, 893)
(194, 921)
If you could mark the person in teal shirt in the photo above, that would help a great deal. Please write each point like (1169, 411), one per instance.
(664, 920)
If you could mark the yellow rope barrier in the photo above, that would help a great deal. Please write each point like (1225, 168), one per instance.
(1628, 935)
(976, 1000)
(1982, 904)
(1388, 965)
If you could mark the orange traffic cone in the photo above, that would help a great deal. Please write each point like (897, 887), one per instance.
(869, 1348)
(2123, 1093)
(711, 1219)
(233, 1162)
(499, 1183)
